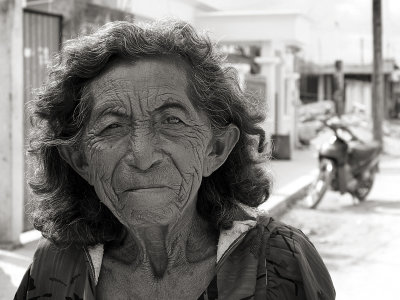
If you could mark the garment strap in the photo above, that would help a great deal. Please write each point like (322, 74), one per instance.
(94, 256)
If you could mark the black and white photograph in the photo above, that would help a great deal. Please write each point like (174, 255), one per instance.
(200, 149)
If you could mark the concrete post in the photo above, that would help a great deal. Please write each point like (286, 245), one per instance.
(273, 67)
(268, 61)
(320, 87)
(329, 93)
(290, 96)
(293, 105)
(12, 122)
(280, 93)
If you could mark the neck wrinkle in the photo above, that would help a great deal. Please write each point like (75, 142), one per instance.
(164, 247)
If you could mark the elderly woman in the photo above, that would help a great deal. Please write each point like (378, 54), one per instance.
(148, 164)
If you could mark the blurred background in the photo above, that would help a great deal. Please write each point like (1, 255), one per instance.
(302, 59)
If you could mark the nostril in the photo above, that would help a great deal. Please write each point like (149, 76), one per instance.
(143, 154)
(145, 159)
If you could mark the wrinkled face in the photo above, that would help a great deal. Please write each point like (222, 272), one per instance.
(145, 143)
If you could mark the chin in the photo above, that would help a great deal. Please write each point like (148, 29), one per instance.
(154, 217)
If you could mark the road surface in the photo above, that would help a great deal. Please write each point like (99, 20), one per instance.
(359, 242)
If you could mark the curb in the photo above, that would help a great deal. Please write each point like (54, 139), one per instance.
(281, 200)
(29, 236)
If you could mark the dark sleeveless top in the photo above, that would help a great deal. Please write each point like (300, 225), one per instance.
(270, 261)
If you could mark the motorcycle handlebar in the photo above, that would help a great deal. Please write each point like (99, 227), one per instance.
(338, 124)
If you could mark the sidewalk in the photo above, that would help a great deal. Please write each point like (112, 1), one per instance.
(13, 264)
(290, 179)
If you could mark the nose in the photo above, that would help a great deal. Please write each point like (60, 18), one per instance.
(143, 152)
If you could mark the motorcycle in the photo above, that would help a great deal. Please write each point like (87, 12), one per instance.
(346, 164)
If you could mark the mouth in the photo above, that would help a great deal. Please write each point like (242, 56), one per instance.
(146, 188)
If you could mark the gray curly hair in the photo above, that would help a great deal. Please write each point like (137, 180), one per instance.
(65, 208)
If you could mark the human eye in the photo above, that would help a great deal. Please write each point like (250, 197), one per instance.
(110, 128)
(172, 120)
(113, 126)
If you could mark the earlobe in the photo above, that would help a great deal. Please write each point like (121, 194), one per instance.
(76, 160)
(219, 149)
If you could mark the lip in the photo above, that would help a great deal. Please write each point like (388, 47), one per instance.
(145, 188)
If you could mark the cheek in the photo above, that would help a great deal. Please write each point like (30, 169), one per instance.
(187, 152)
(102, 159)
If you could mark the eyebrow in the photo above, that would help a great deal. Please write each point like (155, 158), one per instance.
(173, 105)
(109, 110)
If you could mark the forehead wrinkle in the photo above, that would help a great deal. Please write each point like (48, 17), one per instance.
(101, 109)
(152, 98)
(146, 92)
(117, 90)
(107, 82)
(162, 97)
(111, 87)
(173, 79)
(139, 99)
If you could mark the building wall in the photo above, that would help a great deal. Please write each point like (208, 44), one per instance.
(153, 9)
(358, 94)
(81, 16)
(255, 26)
(11, 128)
(5, 145)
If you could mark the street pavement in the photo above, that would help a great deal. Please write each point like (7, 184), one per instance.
(13, 264)
(359, 242)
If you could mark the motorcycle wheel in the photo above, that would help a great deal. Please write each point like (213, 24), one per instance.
(321, 184)
(364, 187)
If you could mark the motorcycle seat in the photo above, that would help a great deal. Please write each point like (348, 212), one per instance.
(360, 151)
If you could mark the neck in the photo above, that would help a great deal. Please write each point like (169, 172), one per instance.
(163, 247)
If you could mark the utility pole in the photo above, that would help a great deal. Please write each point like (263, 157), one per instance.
(338, 84)
(377, 76)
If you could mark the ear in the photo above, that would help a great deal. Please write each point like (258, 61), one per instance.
(76, 159)
(219, 149)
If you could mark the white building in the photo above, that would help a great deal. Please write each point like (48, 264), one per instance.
(280, 36)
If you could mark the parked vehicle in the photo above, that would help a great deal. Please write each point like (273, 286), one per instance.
(307, 123)
(346, 164)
